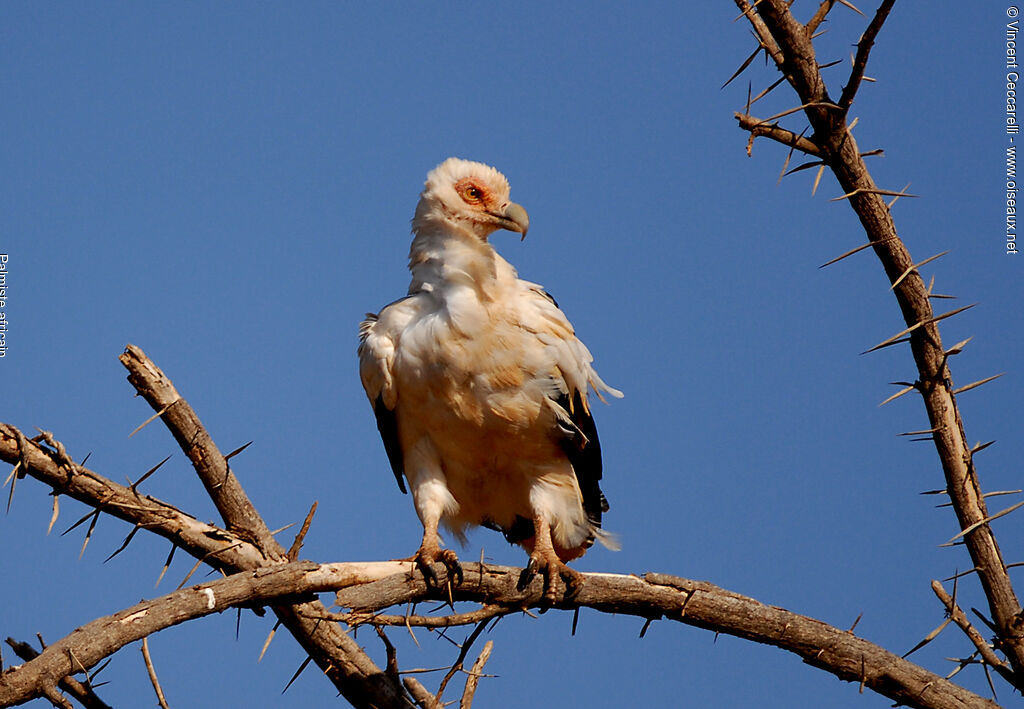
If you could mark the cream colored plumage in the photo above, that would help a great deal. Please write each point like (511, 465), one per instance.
(479, 386)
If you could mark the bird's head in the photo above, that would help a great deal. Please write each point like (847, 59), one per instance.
(471, 195)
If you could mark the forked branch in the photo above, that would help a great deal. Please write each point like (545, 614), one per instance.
(381, 584)
(776, 26)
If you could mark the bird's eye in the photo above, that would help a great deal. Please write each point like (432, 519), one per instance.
(472, 194)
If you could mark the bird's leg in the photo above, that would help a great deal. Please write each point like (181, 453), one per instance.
(544, 559)
(430, 551)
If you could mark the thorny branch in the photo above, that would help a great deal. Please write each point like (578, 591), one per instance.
(83, 649)
(984, 649)
(775, 132)
(653, 596)
(794, 55)
(351, 670)
(496, 588)
(83, 693)
(474, 675)
(222, 486)
(860, 62)
(355, 675)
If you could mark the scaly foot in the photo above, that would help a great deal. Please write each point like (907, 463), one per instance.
(555, 571)
(426, 555)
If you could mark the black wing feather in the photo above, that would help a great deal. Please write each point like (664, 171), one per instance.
(387, 424)
(584, 451)
(582, 447)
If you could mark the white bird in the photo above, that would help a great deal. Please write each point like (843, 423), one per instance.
(479, 386)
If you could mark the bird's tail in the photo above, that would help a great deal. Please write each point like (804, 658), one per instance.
(607, 539)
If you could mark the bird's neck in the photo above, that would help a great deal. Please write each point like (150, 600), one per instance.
(444, 256)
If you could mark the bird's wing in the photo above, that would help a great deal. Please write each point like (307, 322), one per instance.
(378, 339)
(540, 315)
(572, 377)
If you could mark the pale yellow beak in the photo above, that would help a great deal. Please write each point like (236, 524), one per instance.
(513, 218)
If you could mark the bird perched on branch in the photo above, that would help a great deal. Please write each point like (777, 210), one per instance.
(479, 386)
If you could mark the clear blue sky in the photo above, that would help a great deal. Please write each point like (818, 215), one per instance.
(229, 186)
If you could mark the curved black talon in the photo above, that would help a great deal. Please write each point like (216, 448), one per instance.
(454, 571)
(429, 577)
(452, 567)
(527, 574)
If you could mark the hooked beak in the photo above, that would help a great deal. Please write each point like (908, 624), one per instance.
(513, 218)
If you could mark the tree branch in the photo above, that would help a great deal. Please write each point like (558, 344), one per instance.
(777, 133)
(197, 538)
(984, 649)
(238, 512)
(474, 675)
(89, 644)
(85, 694)
(819, 16)
(654, 596)
(151, 671)
(355, 675)
(763, 35)
(344, 662)
(832, 134)
(696, 603)
(860, 62)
